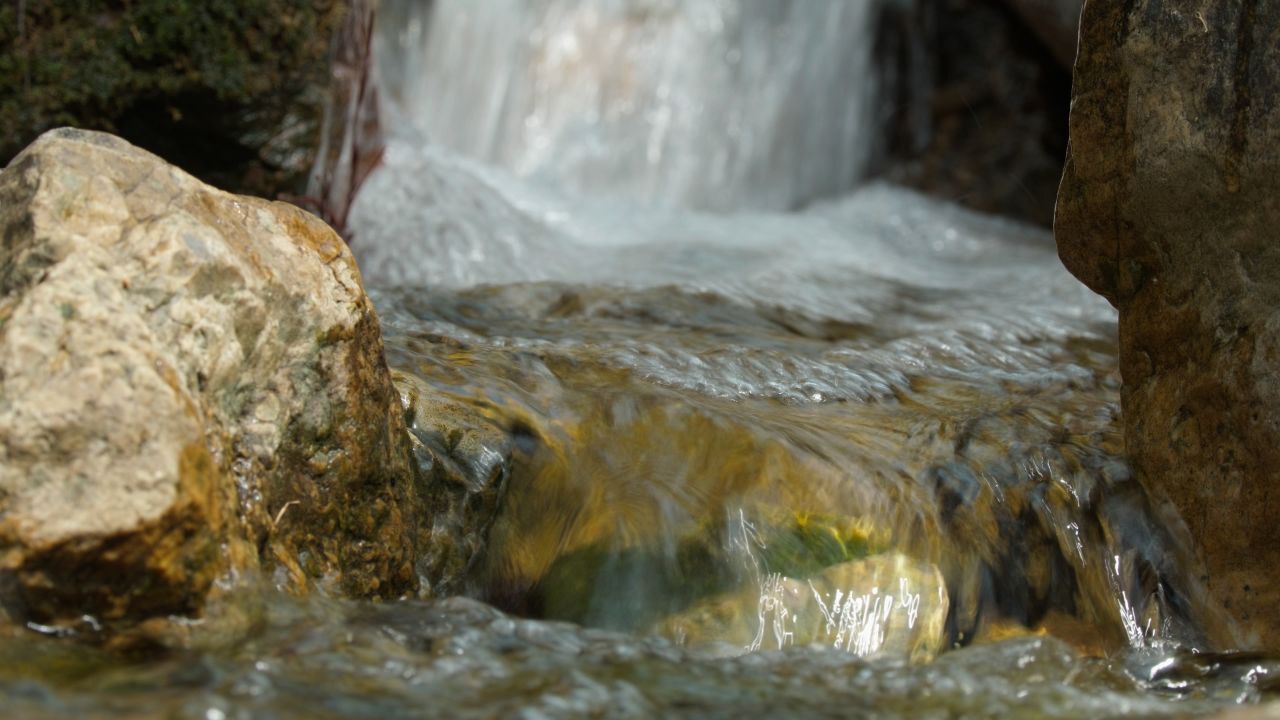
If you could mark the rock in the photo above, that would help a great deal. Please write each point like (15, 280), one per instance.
(192, 384)
(1169, 207)
(465, 456)
(231, 90)
(880, 605)
(980, 111)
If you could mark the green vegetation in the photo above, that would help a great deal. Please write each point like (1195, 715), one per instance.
(231, 90)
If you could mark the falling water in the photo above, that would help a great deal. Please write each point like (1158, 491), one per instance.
(857, 458)
(762, 104)
(923, 387)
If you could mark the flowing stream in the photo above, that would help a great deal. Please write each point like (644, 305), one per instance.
(761, 437)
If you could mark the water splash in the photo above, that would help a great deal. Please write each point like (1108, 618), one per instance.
(929, 382)
(765, 104)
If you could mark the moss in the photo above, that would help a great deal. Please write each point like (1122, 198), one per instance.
(231, 90)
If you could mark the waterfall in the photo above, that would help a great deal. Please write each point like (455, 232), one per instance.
(703, 104)
(632, 225)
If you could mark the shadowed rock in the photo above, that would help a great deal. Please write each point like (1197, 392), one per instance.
(1055, 22)
(1169, 207)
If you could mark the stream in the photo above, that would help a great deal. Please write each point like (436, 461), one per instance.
(762, 435)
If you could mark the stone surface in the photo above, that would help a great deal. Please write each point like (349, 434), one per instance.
(1169, 207)
(980, 111)
(191, 383)
(465, 456)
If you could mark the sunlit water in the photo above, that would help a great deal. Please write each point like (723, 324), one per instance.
(862, 459)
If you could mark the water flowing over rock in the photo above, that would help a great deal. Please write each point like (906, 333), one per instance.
(188, 378)
(766, 104)
(931, 376)
(1169, 208)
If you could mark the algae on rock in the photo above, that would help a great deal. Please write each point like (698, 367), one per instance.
(231, 90)
(192, 383)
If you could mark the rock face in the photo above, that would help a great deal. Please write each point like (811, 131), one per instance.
(1169, 207)
(230, 90)
(980, 115)
(191, 383)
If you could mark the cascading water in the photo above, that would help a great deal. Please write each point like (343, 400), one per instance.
(883, 369)
(870, 432)
(761, 104)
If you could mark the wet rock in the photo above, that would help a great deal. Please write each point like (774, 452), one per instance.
(464, 457)
(880, 605)
(189, 381)
(630, 587)
(1168, 207)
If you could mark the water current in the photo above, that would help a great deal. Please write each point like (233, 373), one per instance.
(759, 437)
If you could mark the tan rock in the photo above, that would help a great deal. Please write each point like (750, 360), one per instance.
(1169, 207)
(189, 380)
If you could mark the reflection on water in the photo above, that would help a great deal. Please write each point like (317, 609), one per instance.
(885, 375)
(460, 659)
(862, 459)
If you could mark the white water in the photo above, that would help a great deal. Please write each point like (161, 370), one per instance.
(714, 104)
(943, 283)
(514, 169)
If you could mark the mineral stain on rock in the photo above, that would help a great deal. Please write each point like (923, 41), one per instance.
(1168, 208)
(192, 386)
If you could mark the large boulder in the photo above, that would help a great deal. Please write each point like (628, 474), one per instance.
(192, 384)
(1169, 207)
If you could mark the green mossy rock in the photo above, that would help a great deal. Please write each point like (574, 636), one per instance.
(231, 90)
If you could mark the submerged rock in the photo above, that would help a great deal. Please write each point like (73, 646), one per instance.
(1169, 207)
(191, 383)
(881, 605)
(465, 457)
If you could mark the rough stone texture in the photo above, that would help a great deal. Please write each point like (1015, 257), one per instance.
(980, 112)
(1169, 207)
(466, 458)
(191, 382)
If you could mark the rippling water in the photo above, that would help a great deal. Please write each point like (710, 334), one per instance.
(858, 460)
(861, 459)
(459, 658)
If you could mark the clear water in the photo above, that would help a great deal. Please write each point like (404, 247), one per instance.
(862, 459)
(461, 659)
(892, 364)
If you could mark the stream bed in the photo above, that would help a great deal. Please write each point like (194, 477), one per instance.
(861, 460)
(750, 436)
